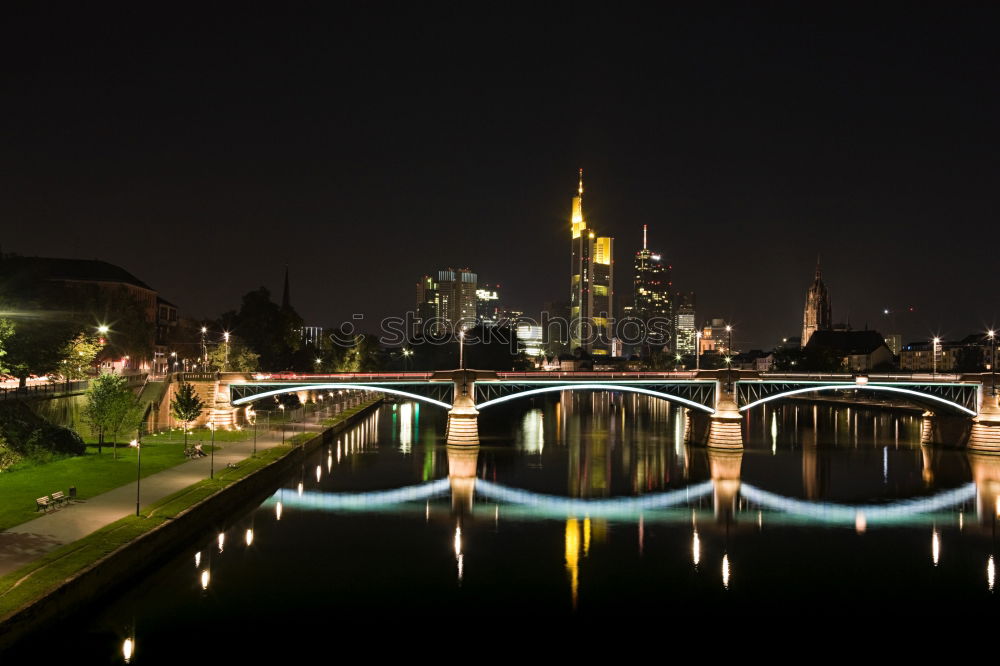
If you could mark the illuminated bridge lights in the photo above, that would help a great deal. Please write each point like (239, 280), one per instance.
(551, 387)
(295, 388)
(959, 397)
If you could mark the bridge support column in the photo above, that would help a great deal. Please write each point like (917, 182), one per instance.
(725, 466)
(985, 435)
(726, 428)
(986, 473)
(463, 419)
(462, 462)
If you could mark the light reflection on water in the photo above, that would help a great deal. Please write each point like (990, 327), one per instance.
(587, 504)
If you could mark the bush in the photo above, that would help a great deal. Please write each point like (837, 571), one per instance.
(8, 456)
(56, 439)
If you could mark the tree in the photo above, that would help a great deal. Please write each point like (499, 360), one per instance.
(35, 346)
(186, 406)
(79, 355)
(240, 358)
(109, 404)
(268, 330)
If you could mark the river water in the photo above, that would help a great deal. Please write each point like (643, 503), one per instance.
(579, 508)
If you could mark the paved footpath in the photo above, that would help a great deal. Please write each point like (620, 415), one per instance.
(23, 543)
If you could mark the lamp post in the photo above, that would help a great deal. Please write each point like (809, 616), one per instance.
(729, 355)
(211, 473)
(138, 470)
(697, 351)
(225, 364)
(934, 353)
(461, 347)
(991, 334)
(254, 454)
(282, 408)
(204, 344)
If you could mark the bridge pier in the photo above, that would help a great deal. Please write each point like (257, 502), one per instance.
(462, 461)
(725, 466)
(725, 430)
(985, 435)
(986, 474)
(463, 418)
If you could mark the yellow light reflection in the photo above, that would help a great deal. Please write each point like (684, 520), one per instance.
(127, 649)
(725, 571)
(319, 472)
(222, 540)
(586, 537)
(329, 463)
(300, 489)
(572, 539)
(860, 523)
(197, 559)
(249, 537)
(204, 579)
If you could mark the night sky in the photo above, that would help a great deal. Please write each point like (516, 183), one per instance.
(368, 147)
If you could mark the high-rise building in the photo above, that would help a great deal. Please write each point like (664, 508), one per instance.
(425, 323)
(651, 299)
(817, 315)
(591, 283)
(488, 304)
(456, 298)
(685, 328)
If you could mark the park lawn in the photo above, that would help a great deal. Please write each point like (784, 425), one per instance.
(92, 474)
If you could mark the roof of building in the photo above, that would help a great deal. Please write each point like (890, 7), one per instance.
(87, 270)
(847, 342)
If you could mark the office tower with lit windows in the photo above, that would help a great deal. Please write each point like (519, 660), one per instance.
(488, 304)
(456, 298)
(651, 297)
(426, 312)
(685, 328)
(591, 283)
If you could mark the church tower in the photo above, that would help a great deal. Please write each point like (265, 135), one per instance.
(817, 315)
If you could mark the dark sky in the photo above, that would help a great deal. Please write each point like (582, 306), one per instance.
(367, 147)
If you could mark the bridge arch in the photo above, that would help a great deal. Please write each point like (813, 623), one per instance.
(590, 386)
(918, 397)
(337, 387)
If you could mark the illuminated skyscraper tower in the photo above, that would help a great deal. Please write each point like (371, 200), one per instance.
(817, 315)
(651, 302)
(591, 283)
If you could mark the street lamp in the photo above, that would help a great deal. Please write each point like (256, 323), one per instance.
(729, 357)
(138, 471)
(282, 408)
(992, 335)
(211, 473)
(225, 364)
(461, 346)
(204, 345)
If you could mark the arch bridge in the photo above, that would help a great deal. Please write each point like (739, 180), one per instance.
(721, 397)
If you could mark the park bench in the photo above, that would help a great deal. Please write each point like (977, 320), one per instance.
(59, 497)
(43, 503)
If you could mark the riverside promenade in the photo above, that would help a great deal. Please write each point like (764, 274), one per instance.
(23, 543)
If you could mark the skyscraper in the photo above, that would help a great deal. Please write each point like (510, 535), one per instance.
(591, 283)
(488, 304)
(817, 315)
(425, 323)
(685, 328)
(651, 302)
(456, 298)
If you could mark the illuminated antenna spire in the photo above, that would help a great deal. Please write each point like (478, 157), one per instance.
(579, 190)
(644, 237)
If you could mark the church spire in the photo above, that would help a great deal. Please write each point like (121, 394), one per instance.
(286, 301)
(819, 271)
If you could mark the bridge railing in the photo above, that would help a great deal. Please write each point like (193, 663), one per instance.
(587, 374)
(340, 376)
(876, 377)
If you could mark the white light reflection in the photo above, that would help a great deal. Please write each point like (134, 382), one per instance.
(885, 464)
(222, 540)
(935, 547)
(319, 472)
(695, 549)
(860, 522)
(405, 427)
(197, 559)
(991, 572)
(329, 463)
(300, 489)
(774, 434)
(277, 511)
(249, 537)
(458, 553)
(204, 579)
(127, 649)
(725, 571)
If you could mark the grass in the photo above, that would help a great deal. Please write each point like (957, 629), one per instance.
(47, 572)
